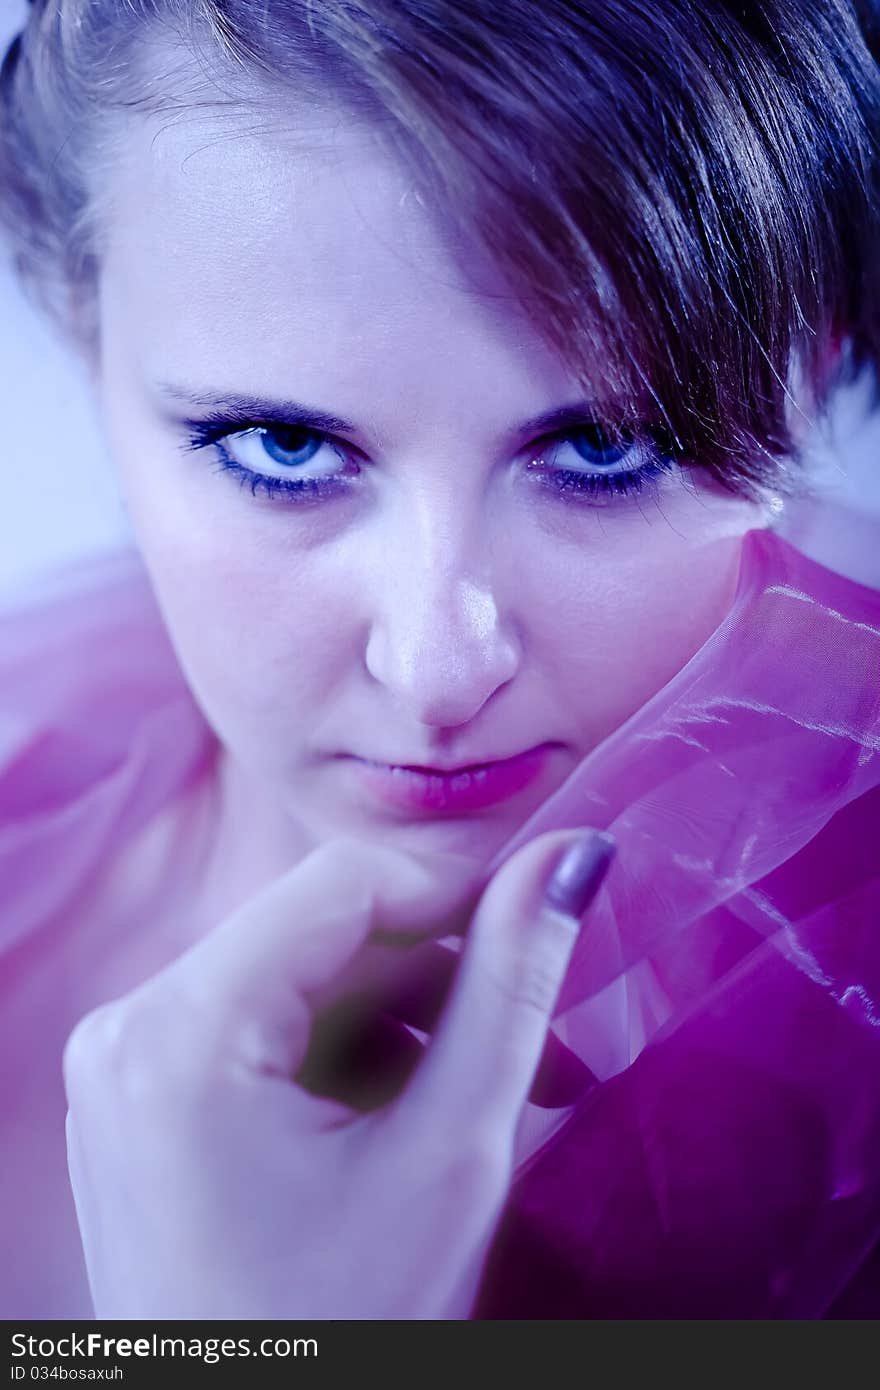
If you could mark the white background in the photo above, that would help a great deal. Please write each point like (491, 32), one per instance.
(58, 499)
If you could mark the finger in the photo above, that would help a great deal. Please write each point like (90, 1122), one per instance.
(400, 949)
(245, 987)
(482, 1060)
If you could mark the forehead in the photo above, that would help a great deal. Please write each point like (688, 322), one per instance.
(233, 244)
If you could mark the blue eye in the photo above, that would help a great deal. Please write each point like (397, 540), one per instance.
(559, 464)
(586, 462)
(595, 446)
(243, 448)
(290, 445)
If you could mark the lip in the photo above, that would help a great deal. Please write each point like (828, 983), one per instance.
(435, 791)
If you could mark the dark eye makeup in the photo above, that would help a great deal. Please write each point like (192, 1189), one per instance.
(602, 452)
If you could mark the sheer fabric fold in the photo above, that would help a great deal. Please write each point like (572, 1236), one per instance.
(715, 790)
(726, 986)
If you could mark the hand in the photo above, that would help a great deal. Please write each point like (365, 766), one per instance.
(209, 1184)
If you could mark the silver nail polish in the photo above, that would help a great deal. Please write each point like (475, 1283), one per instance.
(579, 873)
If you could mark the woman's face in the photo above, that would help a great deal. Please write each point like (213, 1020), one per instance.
(443, 591)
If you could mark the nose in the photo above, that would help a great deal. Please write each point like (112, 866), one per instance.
(439, 639)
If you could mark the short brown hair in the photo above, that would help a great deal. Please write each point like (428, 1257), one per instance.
(688, 193)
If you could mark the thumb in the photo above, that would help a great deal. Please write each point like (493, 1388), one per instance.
(482, 1060)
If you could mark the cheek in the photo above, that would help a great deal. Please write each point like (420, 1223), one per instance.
(257, 636)
(676, 607)
(256, 619)
(258, 632)
(621, 627)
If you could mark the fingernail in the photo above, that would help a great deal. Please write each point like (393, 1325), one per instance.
(581, 869)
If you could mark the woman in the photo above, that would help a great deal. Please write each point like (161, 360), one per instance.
(454, 360)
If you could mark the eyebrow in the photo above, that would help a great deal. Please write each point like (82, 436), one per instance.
(289, 412)
(255, 407)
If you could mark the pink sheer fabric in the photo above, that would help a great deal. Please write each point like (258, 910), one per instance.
(711, 788)
(97, 732)
(724, 995)
(727, 989)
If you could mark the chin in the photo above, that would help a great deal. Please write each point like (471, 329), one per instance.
(468, 841)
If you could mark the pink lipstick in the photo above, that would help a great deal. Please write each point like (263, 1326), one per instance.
(434, 791)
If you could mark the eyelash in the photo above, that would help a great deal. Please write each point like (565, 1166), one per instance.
(210, 433)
